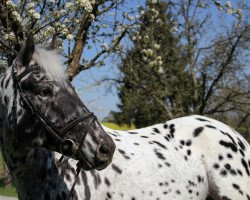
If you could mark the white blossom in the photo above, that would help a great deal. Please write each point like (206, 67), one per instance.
(160, 62)
(153, 63)
(10, 36)
(228, 4)
(158, 21)
(201, 5)
(150, 52)
(229, 11)
(36, 15)
(104, 45)
(65, 31)
(86, 4)
(146, 37)
(10, 3)
(154, 1)
(62, 12)
(70, 37)
(157, 46)
(144, 51)
(31, 11)
(160, 70)
(17, 16)
(142, 12)
(92, 17)
(30, 5)
(144, 58)
(6, 36)
(159, 58)
(68, 5)
(130, 18)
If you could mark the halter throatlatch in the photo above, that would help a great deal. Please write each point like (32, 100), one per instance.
(67, 146)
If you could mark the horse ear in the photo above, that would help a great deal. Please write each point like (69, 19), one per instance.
(26, 53)
(54, 43)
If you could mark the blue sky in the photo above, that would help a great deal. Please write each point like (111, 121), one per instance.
(101, 99)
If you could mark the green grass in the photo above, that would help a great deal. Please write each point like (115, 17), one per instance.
(9, 190)
(117, 127)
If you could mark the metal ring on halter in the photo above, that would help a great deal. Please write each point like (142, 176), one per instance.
(68, 148)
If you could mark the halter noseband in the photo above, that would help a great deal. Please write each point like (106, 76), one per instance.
(52, 130)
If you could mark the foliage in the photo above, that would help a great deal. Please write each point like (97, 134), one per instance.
(194, 71)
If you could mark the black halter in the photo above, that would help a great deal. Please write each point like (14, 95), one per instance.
(52, 130)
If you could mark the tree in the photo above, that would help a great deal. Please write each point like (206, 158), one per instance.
(153, 70)
(203, 79)
(75, 25)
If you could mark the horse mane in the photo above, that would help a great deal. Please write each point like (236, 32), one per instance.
(49, 61)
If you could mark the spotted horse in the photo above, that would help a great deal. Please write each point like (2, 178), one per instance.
(192, 157)
(40, 113)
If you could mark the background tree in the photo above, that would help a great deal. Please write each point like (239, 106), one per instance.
(153, 70)
(207, 74)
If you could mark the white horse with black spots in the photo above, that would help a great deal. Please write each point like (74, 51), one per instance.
(192, 157)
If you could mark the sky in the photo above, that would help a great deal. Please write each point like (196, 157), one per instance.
(98, 98)
(102, 98)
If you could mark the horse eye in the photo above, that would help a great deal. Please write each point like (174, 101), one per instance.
(47, 91)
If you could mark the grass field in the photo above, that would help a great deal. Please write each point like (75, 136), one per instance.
(117, 127)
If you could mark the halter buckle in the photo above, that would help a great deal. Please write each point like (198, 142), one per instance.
(68, 147)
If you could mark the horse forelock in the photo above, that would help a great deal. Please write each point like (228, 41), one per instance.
(50, 62)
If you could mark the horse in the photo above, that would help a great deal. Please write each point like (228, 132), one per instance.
(192, 157)
(41, 113)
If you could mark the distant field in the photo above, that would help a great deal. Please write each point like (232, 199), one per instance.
(117, 127)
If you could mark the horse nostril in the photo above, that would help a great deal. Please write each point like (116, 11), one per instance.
(104, 149)
(103, 152)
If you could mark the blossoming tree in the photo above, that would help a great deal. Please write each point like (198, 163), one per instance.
(76, 25)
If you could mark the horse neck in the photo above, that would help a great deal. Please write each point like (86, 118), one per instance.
(34, 171)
